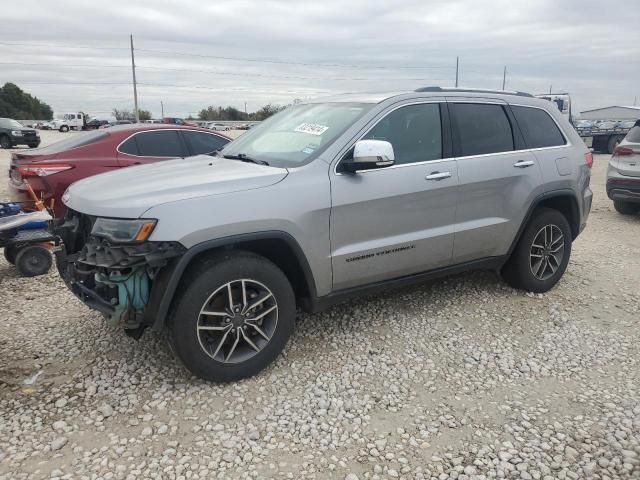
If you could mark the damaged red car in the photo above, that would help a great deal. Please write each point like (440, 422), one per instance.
(51, 169)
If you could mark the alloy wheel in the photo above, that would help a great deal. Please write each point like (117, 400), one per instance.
(547, 252)
(237, 321)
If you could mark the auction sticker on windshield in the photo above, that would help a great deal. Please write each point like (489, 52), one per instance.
(311, 128)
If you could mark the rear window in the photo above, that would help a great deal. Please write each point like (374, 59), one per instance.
(482, 129)
(538, 127)
(633, 135)
(76, 140)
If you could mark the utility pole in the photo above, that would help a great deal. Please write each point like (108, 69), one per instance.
(457, 65)
(135, 87)
(162, 108)
(245, 107)
(635, 100)
(504, 77)
(550, 86)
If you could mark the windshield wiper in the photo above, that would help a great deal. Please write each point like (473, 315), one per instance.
(245, 158)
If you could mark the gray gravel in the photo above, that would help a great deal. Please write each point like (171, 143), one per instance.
(463, 378)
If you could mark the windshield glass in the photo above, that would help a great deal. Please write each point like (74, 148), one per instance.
(10, 123)
(298, 134)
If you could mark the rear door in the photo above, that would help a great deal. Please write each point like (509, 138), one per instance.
(151, 146)
(395, 221)
(497, 176)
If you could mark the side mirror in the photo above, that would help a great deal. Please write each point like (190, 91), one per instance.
(370, 154)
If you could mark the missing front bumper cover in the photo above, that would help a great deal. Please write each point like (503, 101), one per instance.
(117, 279)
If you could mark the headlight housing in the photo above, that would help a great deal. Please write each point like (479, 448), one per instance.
(16, 133)
(123, 231)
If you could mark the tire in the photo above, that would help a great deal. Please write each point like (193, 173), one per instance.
(5, 142)
(210, 354)
(522, 270)
(33, 260)
(626, 208)
(10, 253)
(613, 143)
(64, 128)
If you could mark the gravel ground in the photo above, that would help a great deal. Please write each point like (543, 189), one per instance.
(460, 378)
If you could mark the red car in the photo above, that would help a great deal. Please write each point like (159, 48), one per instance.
(51, 169)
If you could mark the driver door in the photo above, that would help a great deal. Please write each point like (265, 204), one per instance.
(399, 220)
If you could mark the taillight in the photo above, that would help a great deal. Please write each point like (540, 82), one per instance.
(623, 151)
(42, 170)
(588, 159)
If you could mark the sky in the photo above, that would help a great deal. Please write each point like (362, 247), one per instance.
(190, 54)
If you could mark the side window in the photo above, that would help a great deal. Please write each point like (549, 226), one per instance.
(129, 146)
(538, 127)
(414, 131)
(203, 143)
(160, 143)
(482, 129)
(634, 134)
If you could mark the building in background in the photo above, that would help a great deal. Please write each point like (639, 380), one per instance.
(611, 113)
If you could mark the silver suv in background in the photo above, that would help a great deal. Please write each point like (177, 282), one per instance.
(323, 201)
(623, 175)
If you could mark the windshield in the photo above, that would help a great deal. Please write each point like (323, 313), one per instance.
(10, 123)
(298, 134)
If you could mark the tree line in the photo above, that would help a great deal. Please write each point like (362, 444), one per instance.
(209, 113)
(18, 104)
(232, 113)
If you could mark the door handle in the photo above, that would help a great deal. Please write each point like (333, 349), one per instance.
(438, 175)
(523, 163)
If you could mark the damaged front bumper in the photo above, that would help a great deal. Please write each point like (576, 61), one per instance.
(122, 281)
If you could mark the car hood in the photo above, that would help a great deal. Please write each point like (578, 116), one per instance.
(129, 192)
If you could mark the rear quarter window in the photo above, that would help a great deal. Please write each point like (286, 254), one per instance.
(538, 128)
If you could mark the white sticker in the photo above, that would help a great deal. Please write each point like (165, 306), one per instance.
(311, 128)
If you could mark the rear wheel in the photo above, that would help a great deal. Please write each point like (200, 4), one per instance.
(10, 253)
(33, 260)
(5, 142)
(626, 208)
(233, 317)
(542, 253)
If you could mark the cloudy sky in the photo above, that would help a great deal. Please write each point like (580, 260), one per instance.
(193, 53)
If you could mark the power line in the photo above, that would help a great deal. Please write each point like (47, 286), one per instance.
(202, 87)
(284, 62)
(212, 72)
(239, 59)
(60, 46)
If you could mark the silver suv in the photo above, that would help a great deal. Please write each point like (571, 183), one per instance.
(323, 201)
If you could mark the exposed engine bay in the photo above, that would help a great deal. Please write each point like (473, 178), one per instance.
(117, 279)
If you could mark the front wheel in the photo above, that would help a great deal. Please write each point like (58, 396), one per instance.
(5, 142)
(542, 253)
(626, 208)
(233, 317)
(33, 260)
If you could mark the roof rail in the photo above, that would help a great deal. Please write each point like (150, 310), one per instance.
(471, 90)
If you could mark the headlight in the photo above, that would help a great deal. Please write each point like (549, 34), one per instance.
(16, 133)
(118, 230)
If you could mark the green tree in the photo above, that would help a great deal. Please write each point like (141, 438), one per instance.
(144, 115)
(122, 114)
(15, 103)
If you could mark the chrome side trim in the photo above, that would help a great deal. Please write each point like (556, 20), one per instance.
(163, 130)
